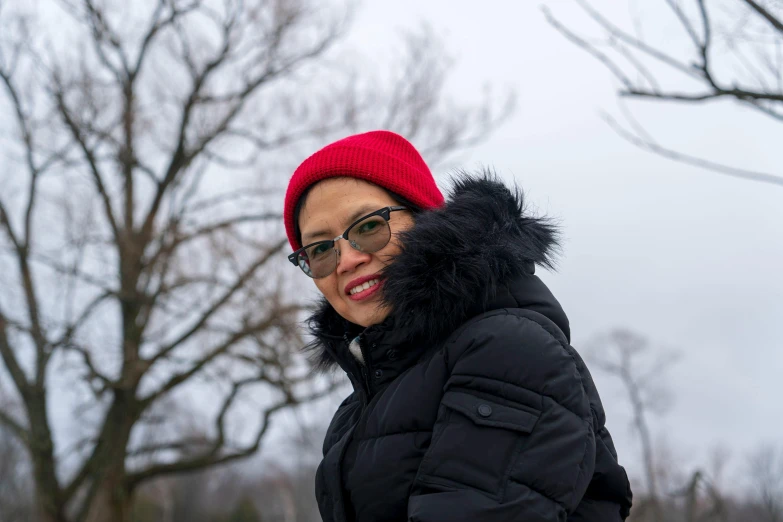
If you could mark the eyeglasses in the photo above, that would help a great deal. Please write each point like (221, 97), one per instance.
(368, 234)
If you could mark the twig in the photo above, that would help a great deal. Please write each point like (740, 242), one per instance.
(693, 160)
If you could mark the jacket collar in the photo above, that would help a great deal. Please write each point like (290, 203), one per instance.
(475, 253)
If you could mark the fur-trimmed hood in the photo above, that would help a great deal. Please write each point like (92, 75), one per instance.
(475, 253)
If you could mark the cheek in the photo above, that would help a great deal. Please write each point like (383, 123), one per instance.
(403, 225)
(387, 254)
(394, 245)
(327, 287)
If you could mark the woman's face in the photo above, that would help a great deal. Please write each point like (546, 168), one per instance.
(332, 205)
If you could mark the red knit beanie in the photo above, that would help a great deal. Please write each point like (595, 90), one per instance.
(380, 157)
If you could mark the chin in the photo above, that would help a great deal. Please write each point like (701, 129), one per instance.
(370, 318)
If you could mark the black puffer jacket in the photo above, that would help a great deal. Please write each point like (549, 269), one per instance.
(472, 406)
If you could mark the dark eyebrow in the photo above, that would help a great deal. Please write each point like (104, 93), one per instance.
(361, 211)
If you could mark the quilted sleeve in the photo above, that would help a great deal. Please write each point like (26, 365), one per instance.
(514, 438)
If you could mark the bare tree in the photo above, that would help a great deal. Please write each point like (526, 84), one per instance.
(704, 502)
(766, 473)
(277, 495)
(15, 494)
(641, 370)
(138, 241)
(734, 52)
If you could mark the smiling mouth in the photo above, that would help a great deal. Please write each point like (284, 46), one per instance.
(364, 286)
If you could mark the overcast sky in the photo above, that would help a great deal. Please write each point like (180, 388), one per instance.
(689, 258)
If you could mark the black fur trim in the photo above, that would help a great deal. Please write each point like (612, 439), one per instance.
(328, 330)
(452, 263)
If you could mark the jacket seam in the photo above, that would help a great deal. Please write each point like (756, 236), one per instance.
(392, 434)
(537, 492)
(582, 468)
(511, 464)
(420, 475)
(545, 395)
(570, 355)
(437, 480)
(588, 420)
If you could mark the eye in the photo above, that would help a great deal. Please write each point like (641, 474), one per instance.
(369, 226)
(319, 250)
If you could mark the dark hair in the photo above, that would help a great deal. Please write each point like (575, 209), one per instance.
(415, 209)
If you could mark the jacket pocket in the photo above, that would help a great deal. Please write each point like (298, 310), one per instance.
(475, 441)
(485, 412)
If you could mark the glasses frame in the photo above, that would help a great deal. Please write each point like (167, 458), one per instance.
(384, 212)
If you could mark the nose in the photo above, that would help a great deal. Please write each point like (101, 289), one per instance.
(348, 258)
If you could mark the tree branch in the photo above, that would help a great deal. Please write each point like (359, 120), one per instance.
(17, 429)
(181, 156)
(92, 372)
(5, 220)
(217, 305)
(211, 457)
(70, 271)
(86, 312)
(27, 139)
(203, 205)
(159, 261)
(765, 110)
(127, 152)
(9, 358)
(167, 249)
(704, 48)
(684, 21)
(179, 445)
(769, 17)
(89, 156)
(718, 93)
(156, 25)
(78, 479)
(702, 70)
(178, 378)
(622, 36)
(692, 160)
(28, 286)
(603, 58)
(103, 33)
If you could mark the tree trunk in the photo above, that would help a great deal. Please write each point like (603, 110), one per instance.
(647, 450)
(49, 506)
(111, 502)
(110, 497)
(47, 501)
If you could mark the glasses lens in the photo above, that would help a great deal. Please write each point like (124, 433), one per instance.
(318, 260)
(370, 235)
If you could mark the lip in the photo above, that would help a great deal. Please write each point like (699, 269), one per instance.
(364, 293)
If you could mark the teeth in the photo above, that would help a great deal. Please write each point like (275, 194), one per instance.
(360, 288)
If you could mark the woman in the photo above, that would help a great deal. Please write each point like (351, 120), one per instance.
(468, 402)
